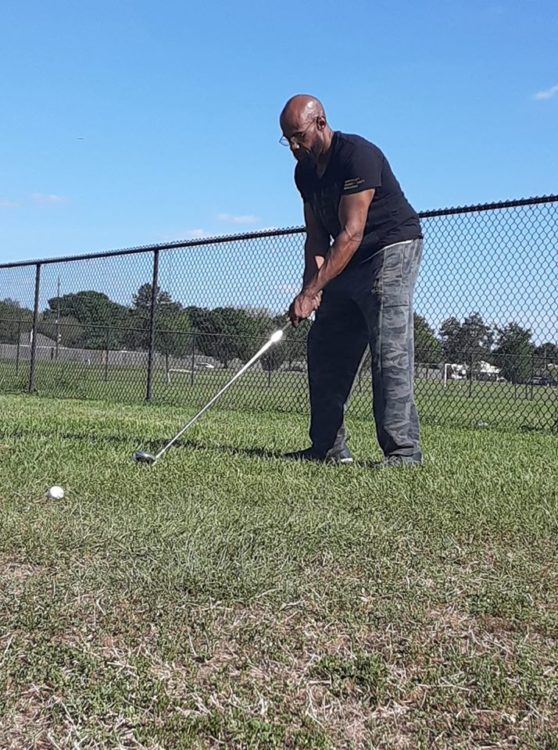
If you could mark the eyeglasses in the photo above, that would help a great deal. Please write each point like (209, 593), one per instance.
(298, 137)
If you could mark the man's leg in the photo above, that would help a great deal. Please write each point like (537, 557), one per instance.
(391, 327)
(336, 343)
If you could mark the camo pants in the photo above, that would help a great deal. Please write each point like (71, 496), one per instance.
(370, 305)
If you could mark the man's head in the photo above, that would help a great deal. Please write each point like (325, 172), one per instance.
(305, 128)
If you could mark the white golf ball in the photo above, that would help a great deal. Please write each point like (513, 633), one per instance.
(55, 492)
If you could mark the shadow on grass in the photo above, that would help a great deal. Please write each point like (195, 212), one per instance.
(262, 453)
(231, 449)
(151, 446)
(7, 435)
(154, 446)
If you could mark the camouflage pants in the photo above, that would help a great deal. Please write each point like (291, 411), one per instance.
(370, 305)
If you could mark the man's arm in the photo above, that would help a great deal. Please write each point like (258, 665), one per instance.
(353, 212)
(316, 245)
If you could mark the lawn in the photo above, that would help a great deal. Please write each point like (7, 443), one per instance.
(501, 406)
(226, 598)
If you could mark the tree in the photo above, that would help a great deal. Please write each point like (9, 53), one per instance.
(206, 333)
(142, 298)
(100, 318)
(514, 353)
(172, 323)
(253, 331)
(296, 341)
(428, 349)
(470, 341)
(173, 334)
(227, 333)
(14, 320)
(276, 354)
(546, 362)
(548, 353)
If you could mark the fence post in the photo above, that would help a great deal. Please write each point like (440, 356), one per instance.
(471, 377)
(193, 362)
(152, 320)
(58, 319)
(18, 345)
(31, 386)
(107, 343)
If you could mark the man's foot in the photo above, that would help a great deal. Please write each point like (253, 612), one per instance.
(336, 455)
(398, 462)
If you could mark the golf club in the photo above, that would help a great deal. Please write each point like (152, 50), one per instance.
(148, 458)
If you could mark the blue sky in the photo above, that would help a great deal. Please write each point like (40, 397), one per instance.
(127, 123)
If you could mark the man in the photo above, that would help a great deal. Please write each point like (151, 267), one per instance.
(362, 253)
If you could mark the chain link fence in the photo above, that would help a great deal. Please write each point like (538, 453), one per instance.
(171, 323)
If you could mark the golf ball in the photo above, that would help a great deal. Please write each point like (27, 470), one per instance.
(55, 493)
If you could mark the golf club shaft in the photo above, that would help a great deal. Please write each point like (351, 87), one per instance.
(248, 364)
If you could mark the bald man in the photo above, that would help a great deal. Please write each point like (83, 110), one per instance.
(362, 254)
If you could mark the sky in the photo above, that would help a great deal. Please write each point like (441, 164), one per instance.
(132, 123)
(129, 123)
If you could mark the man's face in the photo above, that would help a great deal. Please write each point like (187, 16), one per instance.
(302, 137)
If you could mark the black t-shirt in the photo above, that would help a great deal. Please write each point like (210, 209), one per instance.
(355, 165)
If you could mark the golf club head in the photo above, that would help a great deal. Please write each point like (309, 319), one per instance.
(144, 458)
(277, 336)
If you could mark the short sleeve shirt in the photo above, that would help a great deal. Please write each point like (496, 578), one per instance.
(355, 165)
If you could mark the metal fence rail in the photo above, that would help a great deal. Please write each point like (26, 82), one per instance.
(169, 322)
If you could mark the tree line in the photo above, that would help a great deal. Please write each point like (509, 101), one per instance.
(90, 320)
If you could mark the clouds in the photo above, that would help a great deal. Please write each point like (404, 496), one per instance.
(199, 233)
(37, 199)
(546, 94)
(196, 234)
(48, 199)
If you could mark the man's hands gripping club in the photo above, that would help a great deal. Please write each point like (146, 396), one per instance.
(303, 306)
(322, 262)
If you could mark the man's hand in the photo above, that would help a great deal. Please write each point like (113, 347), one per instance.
(303, 306)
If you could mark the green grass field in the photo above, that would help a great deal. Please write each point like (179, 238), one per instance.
(501, 406)
(226, 598)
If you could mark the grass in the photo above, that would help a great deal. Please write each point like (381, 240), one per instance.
(226, 598)
(500, 406)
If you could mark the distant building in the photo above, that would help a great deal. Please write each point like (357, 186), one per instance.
(486, 371)
(26, 339)
(455, 371)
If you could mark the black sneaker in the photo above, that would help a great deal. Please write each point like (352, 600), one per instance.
(336, 455)
(399, 462)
